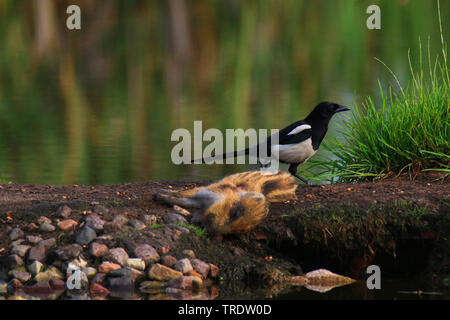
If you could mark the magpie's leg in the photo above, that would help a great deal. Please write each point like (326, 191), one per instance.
(293, 170)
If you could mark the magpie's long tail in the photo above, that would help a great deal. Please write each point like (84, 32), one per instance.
(224, 156)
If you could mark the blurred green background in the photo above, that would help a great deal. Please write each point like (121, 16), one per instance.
(98, 105)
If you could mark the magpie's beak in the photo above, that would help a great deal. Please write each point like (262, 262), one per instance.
(342, 108)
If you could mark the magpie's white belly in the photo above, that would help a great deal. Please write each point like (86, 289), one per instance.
(294, 153)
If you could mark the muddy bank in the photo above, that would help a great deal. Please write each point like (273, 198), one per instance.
(398, 224)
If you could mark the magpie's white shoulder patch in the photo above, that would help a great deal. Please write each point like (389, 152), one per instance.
(299, 129)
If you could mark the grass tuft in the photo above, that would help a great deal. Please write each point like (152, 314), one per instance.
(408, 132)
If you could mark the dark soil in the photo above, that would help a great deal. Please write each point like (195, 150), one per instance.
(400, 224)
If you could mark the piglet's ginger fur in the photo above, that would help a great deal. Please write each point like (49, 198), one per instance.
(235, 204)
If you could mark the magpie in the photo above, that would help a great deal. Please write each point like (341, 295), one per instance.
(296, 143)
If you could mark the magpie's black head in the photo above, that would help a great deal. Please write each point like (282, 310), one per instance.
(324, 111)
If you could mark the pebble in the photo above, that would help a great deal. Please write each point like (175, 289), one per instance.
(86, 236)
(107, 267)
(163, 249)
(35, 267)
(201, 267)
(47, 243)
(120, 220)
(147, 253)
(69, 251)
(176, 218)
(47, 275)
(163, 273)
(68, 224)
(20, 250)
(94, 221)
(37, 253)
(43, 219)
(168, 260)
(194, 273)
(98, 249)
(137, 224)
(136, 263)
(99, 209)
(64, 211)
(183, 265)
(33, 239)
(189, 253)
(47, 227)
(15, 234)
(118, 255)
(14, 260)
(21, 275)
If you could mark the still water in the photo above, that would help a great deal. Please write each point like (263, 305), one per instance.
(98, 105)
